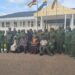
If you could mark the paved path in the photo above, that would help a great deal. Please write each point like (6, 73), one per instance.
(26, 64)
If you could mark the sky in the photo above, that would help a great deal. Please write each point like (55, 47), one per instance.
(12, 6)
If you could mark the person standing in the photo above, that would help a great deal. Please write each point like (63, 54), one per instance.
(68, 37)
(9, 37)
(60, 37)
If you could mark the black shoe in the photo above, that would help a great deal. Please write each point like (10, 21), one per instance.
(41, 54)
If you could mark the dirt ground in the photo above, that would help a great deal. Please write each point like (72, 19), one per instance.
(28, 64)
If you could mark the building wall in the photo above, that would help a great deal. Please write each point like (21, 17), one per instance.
(31, 22)
(19, 24)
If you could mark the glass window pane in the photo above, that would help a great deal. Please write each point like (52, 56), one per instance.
(7, 24)
(38, 23)
(23, 23)
(3, 24)
(28, 23)
(15, 24)
(32, 24)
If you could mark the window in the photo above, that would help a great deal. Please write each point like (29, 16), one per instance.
(32, 24)
(3, 24)
(38, 23)
(28, 23)
(68, 22)
(15, 24)
(20, 24)
(23, 23)
(7, 24)
(54, 21)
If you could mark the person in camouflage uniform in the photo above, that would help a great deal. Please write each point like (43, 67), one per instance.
(5, 45)
(52, 41)
(1, 40)
(14, 32)
(72, 49)
(44, 42)
(22, 33)
(29, 35)
(18, 35)
(23, 44)
(9, 37)
(60, 37)
(68, 36)
(21, 41)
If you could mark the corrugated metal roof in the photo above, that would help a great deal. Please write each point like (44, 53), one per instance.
(19, 14)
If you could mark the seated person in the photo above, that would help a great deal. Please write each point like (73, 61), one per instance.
(43, 46)
(34, 44)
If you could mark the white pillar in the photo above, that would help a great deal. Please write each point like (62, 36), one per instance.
(72, 22)
(42, 24)
(12, 24)
(5, 26)
(65, 22)
(37, 23)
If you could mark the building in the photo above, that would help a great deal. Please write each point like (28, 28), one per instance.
(20, 21)
(52, 16)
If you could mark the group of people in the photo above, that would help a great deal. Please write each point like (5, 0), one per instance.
(38, 42)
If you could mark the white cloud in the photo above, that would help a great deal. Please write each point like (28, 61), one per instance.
(69, 3)
(1, 13)
(16, 1)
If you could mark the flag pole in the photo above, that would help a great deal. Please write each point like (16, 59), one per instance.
(65, 19)
(46, 17)
(30, 5)
(45, 20)
(45, 27)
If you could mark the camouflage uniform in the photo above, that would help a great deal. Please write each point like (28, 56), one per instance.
(18, 35)
(29, 35)
(68, 36)
(52, 41)
(44, 37)
(23, 44)
(5, 45)
(72, 49)
(14, 32)
(21, 41)
(1, 39)
(9, 37)
(60, 37)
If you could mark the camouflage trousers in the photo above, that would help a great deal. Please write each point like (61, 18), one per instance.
(72, 50)
(44, 49)
(68, 48)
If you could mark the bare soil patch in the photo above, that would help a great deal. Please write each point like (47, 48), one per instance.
(28, 64)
